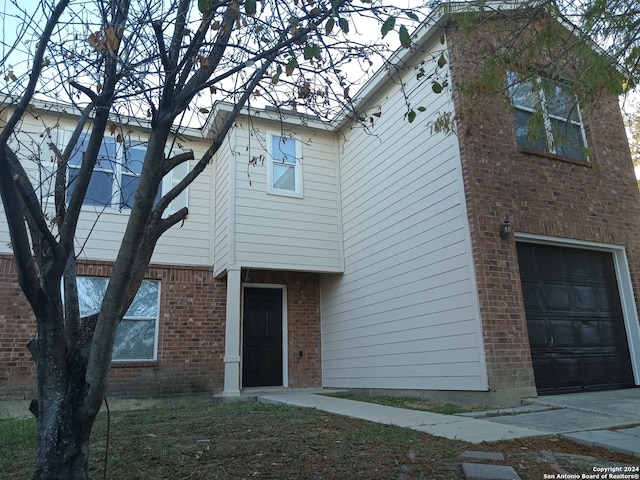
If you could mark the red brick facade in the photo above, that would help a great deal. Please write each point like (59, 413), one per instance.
(543, 195)
(191, 336)
(303, 321)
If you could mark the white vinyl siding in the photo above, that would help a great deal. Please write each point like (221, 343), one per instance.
(284, 232)
(405, 313)
(100, 229)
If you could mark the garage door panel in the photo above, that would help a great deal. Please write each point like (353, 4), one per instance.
(557, 296)
(606, 301)
(574, 318)
(589, 334)
(545, 373)
(551, 262)
(561, 333)
(584, 298)
(531, 294)
(579, 263)
(595, 371)
(568, 373)
(538, 332)
(618, 370)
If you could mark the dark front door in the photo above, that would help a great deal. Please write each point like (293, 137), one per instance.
(574, 318)
(262, 337)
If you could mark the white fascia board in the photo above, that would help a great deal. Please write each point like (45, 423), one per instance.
(283, 117)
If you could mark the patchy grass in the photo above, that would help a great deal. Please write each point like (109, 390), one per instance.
(412, 403)
(248, 440)
(17, 441)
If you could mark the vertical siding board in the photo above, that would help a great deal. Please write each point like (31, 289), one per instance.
(221, 213)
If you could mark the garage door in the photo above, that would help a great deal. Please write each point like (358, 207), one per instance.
(576, 328)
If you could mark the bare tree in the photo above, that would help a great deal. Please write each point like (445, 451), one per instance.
(164, 61)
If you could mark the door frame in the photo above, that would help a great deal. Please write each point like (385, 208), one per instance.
(285, 350)
(625, 287)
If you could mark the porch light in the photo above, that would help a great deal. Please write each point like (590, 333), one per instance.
(506, 228)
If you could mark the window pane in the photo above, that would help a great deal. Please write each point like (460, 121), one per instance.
(134, 158)
(135, 337)
(522, 93)
(146, 302)
(78, 149)
(561, 102)
(90, 293)
(107, 151)
(284, 149)
(134, 340)
(567, 139)
(99, 191)
(128, 190)
(528, 134)
(284, 176)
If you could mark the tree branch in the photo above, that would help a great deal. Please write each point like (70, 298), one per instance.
(38, 62)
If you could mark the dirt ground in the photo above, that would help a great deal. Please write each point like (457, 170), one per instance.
(255, 441)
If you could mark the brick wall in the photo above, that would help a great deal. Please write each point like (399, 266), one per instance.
(17, 328)
(303, 315)
(190, 338)
(541, 194)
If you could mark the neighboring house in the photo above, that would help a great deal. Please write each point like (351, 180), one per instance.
(321, 255)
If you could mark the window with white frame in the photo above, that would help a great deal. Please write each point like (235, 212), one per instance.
(116, 175)
(137, 334)
(284, 169)
(547, 117)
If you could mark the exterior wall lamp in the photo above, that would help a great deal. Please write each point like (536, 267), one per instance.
(506, 228)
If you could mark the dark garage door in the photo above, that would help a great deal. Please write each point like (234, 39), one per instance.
(576, 328)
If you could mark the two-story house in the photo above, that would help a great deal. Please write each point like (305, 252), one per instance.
(486, 265)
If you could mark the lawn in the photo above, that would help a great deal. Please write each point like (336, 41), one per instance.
(249, 440)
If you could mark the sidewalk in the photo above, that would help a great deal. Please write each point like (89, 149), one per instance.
(449, 426)
(595, 418)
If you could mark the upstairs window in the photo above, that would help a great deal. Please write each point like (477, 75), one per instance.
(116, 175)
(131, 168)
(103, 180)
(284, 170)
(547, 117)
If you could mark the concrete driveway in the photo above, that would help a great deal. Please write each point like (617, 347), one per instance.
(608, 419)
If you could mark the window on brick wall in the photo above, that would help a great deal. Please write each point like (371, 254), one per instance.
(547, 117)
(137, 335)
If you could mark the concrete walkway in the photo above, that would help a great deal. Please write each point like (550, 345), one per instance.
(448, 426)
(595, 418)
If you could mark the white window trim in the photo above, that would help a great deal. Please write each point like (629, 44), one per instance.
(298, 192)
(168, 181)
(155, 331)
(131, 317)
(547, 117)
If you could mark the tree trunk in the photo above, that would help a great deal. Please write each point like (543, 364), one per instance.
(63, 440)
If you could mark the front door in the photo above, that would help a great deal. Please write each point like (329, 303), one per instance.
(574, 318)
(262, 337)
